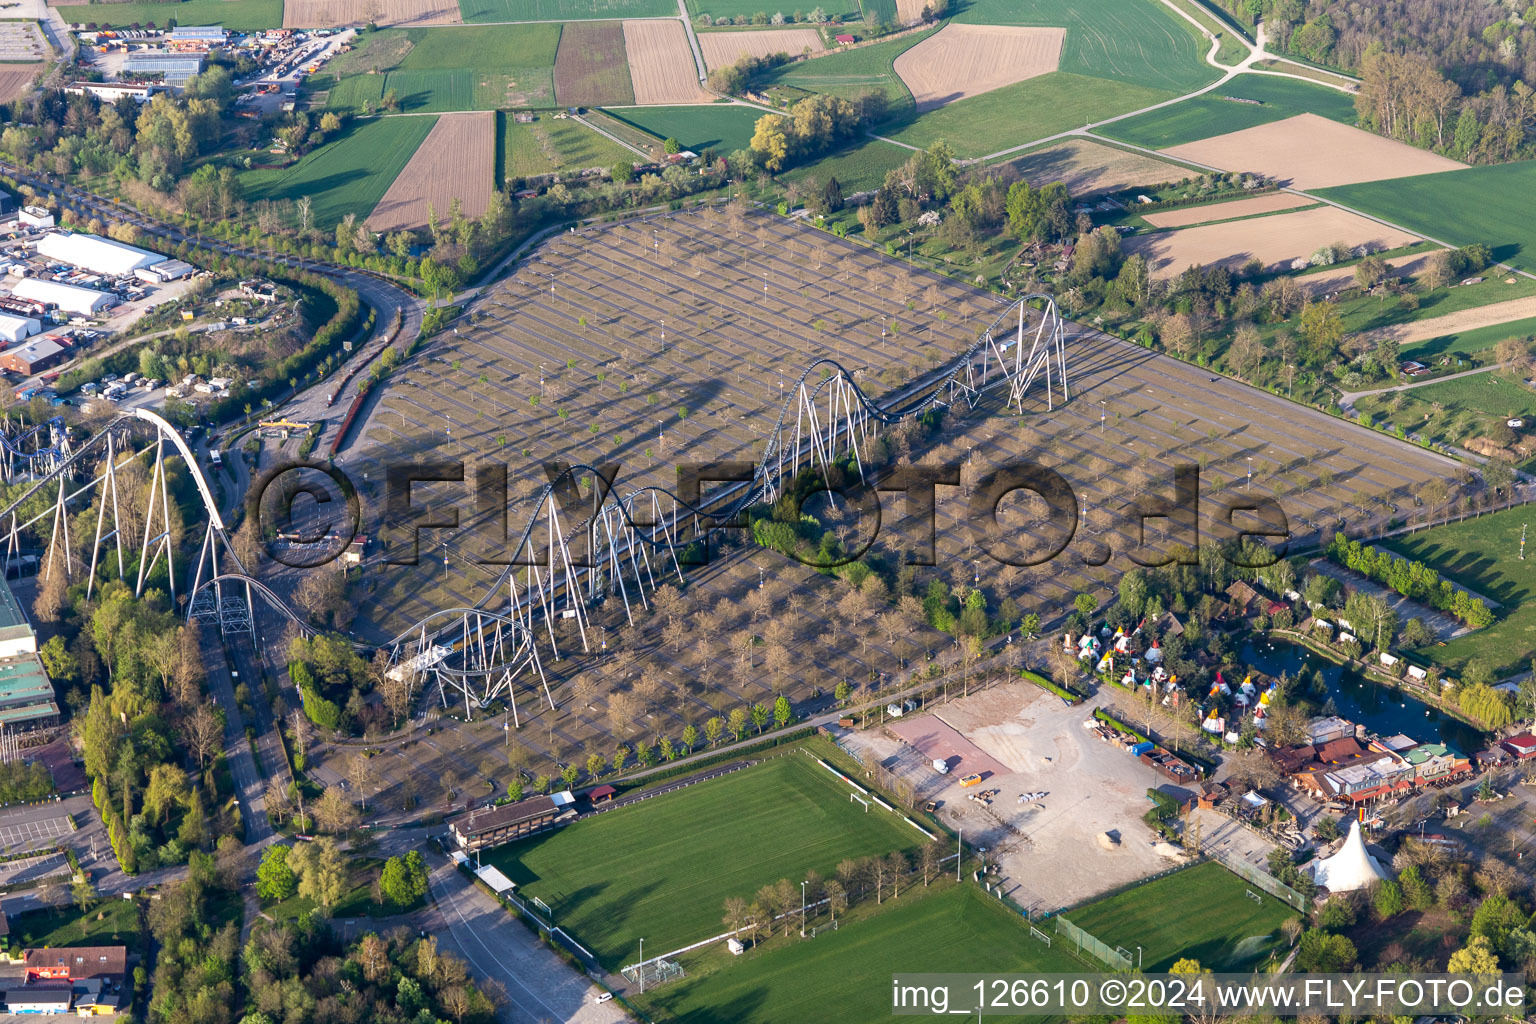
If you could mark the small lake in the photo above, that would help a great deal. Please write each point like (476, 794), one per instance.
(1380, 709)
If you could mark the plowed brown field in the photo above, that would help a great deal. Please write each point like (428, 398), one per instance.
(722, 49)
(967, 60)
(16, 79)
(1087, 167)
(661, 63)
(1207, 212)
(590, 67)
(333, 13)
(456, 160)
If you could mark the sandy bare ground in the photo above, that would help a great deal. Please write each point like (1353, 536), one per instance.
(967, 60)
(1454, 323)
(722, 49)
(16, 79)
(1331, 280)
(1271, 240)
(1308, 151)
(661, 63)
(1088, 167)
(331, 13)
(1208, 212)
(455, 161)
(910, 12)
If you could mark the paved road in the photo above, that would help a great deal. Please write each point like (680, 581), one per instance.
(540, 987)
(249, 785)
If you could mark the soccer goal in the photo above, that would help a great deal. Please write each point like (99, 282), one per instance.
(544, 907)
(1254, 896)
(1037, 933)
(854, 797)
(653, 972)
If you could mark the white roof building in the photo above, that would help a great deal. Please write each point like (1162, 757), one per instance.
(1351, 868)
(17, 328)
(68, 297)
(96, 254)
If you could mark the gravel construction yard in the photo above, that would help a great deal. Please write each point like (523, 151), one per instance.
(722, 49)
(1271, 240)
(661, 63)
(1462, 320)
(1090, 787)
(1088, 167)
(1308, 151)
(967, 60)
(1205, 213)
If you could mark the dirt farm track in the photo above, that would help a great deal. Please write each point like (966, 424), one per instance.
(661, 63)
(967, 60)
(329, 13)
(725, 48)
(454, 161)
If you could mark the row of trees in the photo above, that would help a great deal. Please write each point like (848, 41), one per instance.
(1413, 580)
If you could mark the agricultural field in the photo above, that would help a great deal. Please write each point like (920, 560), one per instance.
(884, 12)
(853, 73)
(1308, 151)
(947, 923)
(1284, 237)
(1482, 555)
(239, 15)
(16, 79)
(968, 60)
(1472, 319)
(590, 66)
(723, 127)
(22, 42)
(1219, 113)
(1202, 912)
(403, 13)
(484, 11)
(457, 160)
(661, 64)
(1020, 113)
(1088, 167)
(1480, 204)
(347, 175)
(662, 869)
(549, 145)
(1446, 312)
(722, 49)
(1234, 209)
(1329, 280)
(463, 68)
(1138, 43)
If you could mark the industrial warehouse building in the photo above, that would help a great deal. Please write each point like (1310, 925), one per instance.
(174, 68)
(17, 328)
(96, 254)
(26, 693)
(196, 38)
(31, 357)
(68, 297)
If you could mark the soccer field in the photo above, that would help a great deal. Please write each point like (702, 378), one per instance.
(1200, 912)
(662, 869)
(845, 976)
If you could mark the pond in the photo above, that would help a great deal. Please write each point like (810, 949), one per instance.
(1381, 709)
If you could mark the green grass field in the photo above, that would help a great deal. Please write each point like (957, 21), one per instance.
(723, 127)
(1231, 50)
(1135, 41)
(857, 169)
(1469, 343)
(1487, 204)
(1482, 554)
(844, 975)
(548, 145)
(67, 926)
(664, 868)
(436, 70)
(1027, 110)
(718, 9)
(348, 175)
(1368, 314)
(1200, 912)
(1209, 115)
(564, 10)
(1454, 411)
(852, 73)
(239, 15)
(884, 11)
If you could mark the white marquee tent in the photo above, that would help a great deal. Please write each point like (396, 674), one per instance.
(1351, 868)
(96, 254)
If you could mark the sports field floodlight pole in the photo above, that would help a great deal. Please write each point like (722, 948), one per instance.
(641, 967)
(1138, 958)
(802, 910)
(959, 850)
